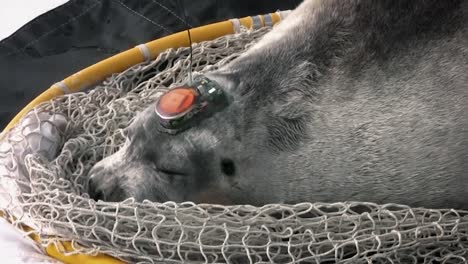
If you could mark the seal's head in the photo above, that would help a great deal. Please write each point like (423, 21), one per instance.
(196, 143)
(219, 139)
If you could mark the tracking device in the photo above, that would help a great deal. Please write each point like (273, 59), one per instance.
(181, 107)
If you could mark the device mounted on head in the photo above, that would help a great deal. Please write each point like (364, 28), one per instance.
(181, 107)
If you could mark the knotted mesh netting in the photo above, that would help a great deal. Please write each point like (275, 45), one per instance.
(45, 159)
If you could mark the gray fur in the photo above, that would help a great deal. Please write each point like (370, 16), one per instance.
(363, 100)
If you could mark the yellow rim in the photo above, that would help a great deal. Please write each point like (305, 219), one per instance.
(118, 63)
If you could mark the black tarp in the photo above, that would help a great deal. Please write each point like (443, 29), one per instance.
(83, 32)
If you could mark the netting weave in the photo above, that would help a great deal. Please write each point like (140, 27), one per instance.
(43, 179)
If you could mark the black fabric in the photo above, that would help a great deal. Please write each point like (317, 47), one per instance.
(83, 32)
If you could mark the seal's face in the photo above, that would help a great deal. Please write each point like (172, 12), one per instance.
(161, 166)
(223, 157)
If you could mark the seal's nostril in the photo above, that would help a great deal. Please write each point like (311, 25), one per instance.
(228, 167)
(98, 195)
(94, 192)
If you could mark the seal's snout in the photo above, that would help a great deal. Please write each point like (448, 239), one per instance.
(94, 192)
(105, 186)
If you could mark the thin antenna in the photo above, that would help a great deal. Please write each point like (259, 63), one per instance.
(190, 40)
(191, 60)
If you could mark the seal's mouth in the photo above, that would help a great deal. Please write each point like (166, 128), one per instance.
(184, 106)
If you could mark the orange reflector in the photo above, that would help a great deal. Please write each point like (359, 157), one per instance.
(176, 101)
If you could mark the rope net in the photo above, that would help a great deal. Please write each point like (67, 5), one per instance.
(44, 162)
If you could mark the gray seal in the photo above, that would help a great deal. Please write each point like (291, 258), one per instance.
(345, 100)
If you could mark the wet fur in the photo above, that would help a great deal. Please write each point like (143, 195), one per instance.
(344, 100)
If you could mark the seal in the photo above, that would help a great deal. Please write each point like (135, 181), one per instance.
(345, 100)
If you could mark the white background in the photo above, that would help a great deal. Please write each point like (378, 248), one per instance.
(16, 13)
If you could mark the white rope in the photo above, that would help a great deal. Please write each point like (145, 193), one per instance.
(144, 51)
(256, 22)
(63, 87)
(268, 20)
(236, 25)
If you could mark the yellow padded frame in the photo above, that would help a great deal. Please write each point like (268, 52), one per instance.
(118, 63)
